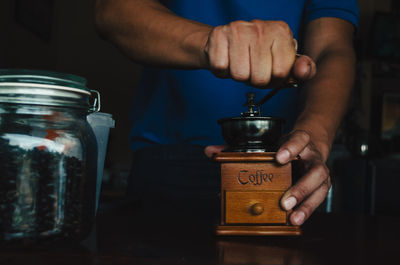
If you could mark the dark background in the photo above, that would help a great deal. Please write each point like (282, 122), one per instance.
(60, 36)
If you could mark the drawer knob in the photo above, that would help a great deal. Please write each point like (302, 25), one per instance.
(257, 209)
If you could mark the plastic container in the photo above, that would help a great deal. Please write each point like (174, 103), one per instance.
(101, 124)
(48, 156)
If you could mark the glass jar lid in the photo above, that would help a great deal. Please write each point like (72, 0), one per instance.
(36, 87)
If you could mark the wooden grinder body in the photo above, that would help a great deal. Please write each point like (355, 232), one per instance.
(252, 185)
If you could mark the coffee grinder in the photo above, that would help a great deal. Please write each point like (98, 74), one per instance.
(252, 182)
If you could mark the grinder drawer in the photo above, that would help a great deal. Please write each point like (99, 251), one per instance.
(254, 207)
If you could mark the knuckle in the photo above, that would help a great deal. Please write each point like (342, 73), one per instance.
(281, 72)
(218, 65)
(258, 22)
(217, 34)
(222, 30)
(238, 24)
(283, 27)
(217, 31)
(310, 205)
(303, 135)
(327, 184)
(239, 75)
(307, 208)
(300, 192)
(244, 28)
(259, 83)
(289, 148)
(325, 188)
(329, 181)
(234, 24)
(259, 80)
(327, 173)
(260, 25)
(322, 170)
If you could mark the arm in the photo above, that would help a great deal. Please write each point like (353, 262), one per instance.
(256, 52)
(329, 42)
(150, 34)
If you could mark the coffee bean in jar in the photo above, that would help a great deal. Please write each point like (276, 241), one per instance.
(48, 157)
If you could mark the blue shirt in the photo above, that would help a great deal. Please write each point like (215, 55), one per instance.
(183, 106)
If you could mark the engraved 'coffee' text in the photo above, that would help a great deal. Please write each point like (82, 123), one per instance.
(244, 177)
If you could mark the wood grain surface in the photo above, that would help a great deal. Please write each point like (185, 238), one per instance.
(252, 183)
(239, 207)
(258, 230)
(247, 157)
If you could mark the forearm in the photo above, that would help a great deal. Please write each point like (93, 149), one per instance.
(150, 34)
(326, 96)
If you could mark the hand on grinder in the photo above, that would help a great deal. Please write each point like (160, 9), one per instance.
(260, 53)
(313, 186)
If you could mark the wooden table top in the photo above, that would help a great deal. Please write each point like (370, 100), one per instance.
(181, 235)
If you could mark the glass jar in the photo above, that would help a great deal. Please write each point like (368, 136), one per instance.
(48, 156)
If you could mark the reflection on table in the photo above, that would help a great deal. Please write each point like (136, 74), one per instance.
(179, 234)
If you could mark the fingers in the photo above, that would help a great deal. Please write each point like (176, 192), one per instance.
(239, 57)
(293, 146)
(256, 52)
(283, 52)
(211, 150)
(314, 178)
(217, 50)
(304, 211)
(260, 63)
(309, 192)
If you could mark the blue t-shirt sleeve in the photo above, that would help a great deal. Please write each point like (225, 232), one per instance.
(344, 9)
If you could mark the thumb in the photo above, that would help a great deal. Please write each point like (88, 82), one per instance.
(211, 150)
(304, 68)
